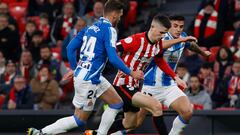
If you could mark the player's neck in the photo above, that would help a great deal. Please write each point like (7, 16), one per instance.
(150, 37)
(173, 36)
(108, 18)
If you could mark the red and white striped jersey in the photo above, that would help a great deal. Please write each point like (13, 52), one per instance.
(138, 53)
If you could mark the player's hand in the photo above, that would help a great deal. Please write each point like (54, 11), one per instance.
(68, 76)
(181, 84)
(207, 53)
(137, 74)
(189, 39)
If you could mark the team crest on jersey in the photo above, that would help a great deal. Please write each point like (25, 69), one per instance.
(128, 40)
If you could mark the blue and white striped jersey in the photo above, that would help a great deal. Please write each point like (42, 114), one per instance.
(154, 76)
(96, 44)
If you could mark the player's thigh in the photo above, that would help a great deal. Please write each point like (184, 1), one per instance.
(84, 95)
(81, 114)
(178, 101)
(141, 116)
(107, 93)
(182, 105)
(130, 120)
(154, 91)
(110, 96)
(146, 102)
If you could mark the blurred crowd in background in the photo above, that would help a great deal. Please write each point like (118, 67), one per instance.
(34, 35)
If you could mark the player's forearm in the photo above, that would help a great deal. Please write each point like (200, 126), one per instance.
(194, 47)
(170, 43)
(162, 64)
(116, 61)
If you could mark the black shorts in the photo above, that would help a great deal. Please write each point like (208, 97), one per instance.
(126, 94)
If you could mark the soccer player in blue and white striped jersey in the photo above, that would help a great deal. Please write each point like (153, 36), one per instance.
(163, 87)
(96, 44)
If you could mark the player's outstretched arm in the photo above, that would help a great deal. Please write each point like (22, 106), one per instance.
(170, 43)
(162, 64)
(72, 47)
(194, 47)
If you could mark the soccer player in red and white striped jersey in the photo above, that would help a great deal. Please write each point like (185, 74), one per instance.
(137, 52)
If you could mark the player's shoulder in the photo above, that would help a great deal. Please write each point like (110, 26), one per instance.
(167, 36)
(133, 38)
(184, 34)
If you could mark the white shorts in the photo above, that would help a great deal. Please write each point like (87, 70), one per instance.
(86, 93)
(166, 95)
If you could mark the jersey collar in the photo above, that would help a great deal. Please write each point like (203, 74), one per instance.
(149, 41)
(105, 20)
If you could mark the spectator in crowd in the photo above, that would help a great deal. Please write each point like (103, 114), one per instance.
(36, 43)
(183, 72)
(207, 78)
(2, 64)
(222, 64)
(36, 7)
(63, 24)
(53, 9)
(45, 90)
(12, 22)
(26, 38)
(9, 40)
(44, 26)
(208, 26)
(225, 9)
(20, 96)
(95, 14)
(236, 26)
(193, 62)
(6, 79)
(57, 68)
(26, 66)
(83, 6)
(236, 49)
(77, 27)
(233, 85)
(197, 95)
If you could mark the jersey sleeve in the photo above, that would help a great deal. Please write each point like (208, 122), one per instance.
(110, 38)
(72, 47)
(128, 44)
(187, 44)
(162, 64)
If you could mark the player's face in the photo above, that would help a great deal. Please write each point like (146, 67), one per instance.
(116, 16)
(176, 28)
(158, 31)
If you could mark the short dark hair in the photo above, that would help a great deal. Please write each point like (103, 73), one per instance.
(176, 18)
(37, 33)
(163, 19)
(31, 22)
(43, 15)
(182, 65)
(195, 75)
(113, 5)
(206, 65)
(45, 46)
